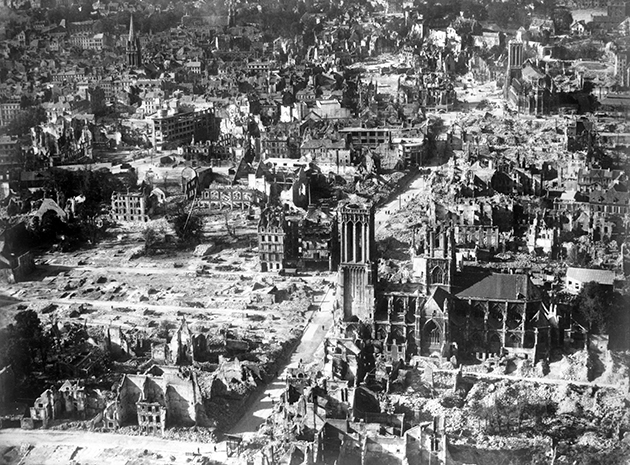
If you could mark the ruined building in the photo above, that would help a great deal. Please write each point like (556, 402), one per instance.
(412, 317)
(130, 206)
(159, 398)
(277, 239)
(318, 244)
(501, 313)
(437, 310)
(527, 88)
(71, 400)
(184, 347)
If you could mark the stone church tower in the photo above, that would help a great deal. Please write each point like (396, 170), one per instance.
(357, 268)
(434, 259)
(134, 53)
(434, 269)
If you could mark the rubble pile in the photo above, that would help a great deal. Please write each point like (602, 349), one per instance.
(514, 415)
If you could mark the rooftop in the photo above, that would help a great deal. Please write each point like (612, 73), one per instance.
(587, 275)
(499, 286)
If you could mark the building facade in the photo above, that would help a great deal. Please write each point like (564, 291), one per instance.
(130, 206)
(181, 126)
(277, 239)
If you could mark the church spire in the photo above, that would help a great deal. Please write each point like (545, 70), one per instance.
(134, 55)
(132, 32)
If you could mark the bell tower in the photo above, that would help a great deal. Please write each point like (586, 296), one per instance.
(434, 258)
(357, 268)
(515, 63)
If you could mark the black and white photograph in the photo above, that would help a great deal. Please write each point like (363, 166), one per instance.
(314, 232)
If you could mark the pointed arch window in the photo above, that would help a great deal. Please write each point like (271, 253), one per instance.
(437, 275)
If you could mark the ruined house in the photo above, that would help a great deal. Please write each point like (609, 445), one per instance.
(130, 206)
(281, 178)
(363, 443)
(341, 358)
(183, 348)
(542, 237)
(46, 407)
(71, 400)
(159, 398)
(277, 239)
(119, 343)
(329, 155)
(317, 245)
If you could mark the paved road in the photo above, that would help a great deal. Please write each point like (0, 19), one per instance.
(312, 338)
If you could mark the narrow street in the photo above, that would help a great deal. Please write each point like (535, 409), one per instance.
(313, 337)
(415, 188)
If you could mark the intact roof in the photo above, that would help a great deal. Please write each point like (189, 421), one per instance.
(499, 286)
(532, 72)
(440, 295)
(586, 275)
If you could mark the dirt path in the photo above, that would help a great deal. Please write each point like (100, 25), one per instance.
(312, 338)
(58, 447)
(106, 305)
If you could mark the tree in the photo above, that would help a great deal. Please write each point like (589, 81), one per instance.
(230, 230)
(562, 19)
(24, 343)
(25, 120)
(501, 13)
(594, 304)
(151, 236)
(188, 227)
(578, 255)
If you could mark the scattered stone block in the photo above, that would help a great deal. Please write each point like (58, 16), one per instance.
(203, 250)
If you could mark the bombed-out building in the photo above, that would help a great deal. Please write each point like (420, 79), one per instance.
(438, 310)
(527, 89)
(159, 398)
(277, 239)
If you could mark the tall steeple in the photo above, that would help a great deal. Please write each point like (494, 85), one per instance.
(134, 55)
